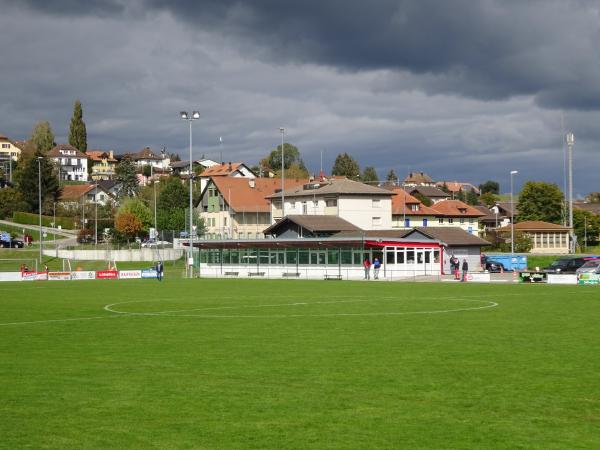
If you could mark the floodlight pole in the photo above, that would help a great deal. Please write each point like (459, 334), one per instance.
(195, 116)
(512, 216)
(39, 160)
(282, 131)
(570, 142)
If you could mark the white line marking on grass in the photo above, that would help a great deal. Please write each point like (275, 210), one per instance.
(171, 313)
(57, 320)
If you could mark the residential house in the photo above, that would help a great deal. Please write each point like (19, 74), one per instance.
(103, 164)
(408, 211)
(505, 211)
(455, 187)
(71, 163)
(489, 220)
(367, 207)
(545, 237)
(418, 179)
(237, 207)
(9, 150)
(182, 168)
(76, 194)
(147, 157)
(431, 192)
(234, 170)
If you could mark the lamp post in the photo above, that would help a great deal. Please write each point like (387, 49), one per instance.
(282, 131)
(96, 217)
(39, 160)
(570, 141)
(512, 215)
(195, 116)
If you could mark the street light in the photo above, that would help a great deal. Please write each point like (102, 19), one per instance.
(282, 131)
(39, 160)
(570, 141)
(512, 216)
(195, 116)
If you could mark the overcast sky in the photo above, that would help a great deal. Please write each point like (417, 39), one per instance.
(460, 89)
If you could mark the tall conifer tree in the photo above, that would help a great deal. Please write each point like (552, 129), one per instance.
(77, 131)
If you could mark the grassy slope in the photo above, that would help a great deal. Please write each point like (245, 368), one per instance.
(520, 375)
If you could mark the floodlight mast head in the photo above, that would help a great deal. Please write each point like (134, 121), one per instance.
(195, 115)
(184, 115)
(514, 172)
(570, 138)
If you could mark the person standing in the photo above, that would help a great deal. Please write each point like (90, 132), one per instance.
(367, 266)
(376, 267)
(159, 270)
(465, 270)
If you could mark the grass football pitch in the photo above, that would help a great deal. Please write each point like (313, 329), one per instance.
(298, 364)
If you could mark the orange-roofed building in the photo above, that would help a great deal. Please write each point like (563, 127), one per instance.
(235, 170)
(236, 207)
(408, 211)
(458, 214)
(545, 237)
(103, 164)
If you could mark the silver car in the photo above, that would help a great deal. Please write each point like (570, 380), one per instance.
(592, 266)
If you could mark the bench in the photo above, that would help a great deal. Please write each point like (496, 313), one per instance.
(332, 277)
(290, 274)
(256, 274)
(231, 274)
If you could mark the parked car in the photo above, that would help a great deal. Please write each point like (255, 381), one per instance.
(13, 243)
(156, 244)
(591, 266)
(494, 266)
(565, 265)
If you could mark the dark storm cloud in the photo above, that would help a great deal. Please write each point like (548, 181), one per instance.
(477, 49)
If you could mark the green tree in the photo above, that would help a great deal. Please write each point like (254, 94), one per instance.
(171, 205)
(391, 176)
(593, 197)
(346, 166)
(77, 131)
(137, 208)
(41, 140)
(488, 199)
(11, 200)
(291, 160)
(581, 219)
(425, 200)
(370, 175)
(471, 198)
(490, 186)
(444, 187)
(28, 183)
(125, 175)
(539, 200)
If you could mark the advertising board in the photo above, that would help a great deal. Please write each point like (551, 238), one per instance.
(533, 277)
(479, 277)
(129, 274)
(148, 273)
(62, 276)
(83, 275)
(107, 274)
(588, 278)
(10, 276)
(566, 278)
(34, 276)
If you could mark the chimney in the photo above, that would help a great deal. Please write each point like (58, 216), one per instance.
(229, 169)
(251, 183)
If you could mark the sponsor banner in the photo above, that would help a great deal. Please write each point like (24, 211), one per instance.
(129, 274)
(34, 276)
(588, 278)
(479, 277)
(533, 277)
(554, 278)
(148, 273)
(10, 276)
(59, 276)
(107, 274)
(83, 275)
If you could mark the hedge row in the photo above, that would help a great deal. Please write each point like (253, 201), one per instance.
(33, 219)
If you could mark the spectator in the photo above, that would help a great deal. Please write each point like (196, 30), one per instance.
(465, 270)
(376, 267)
(367, 266)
